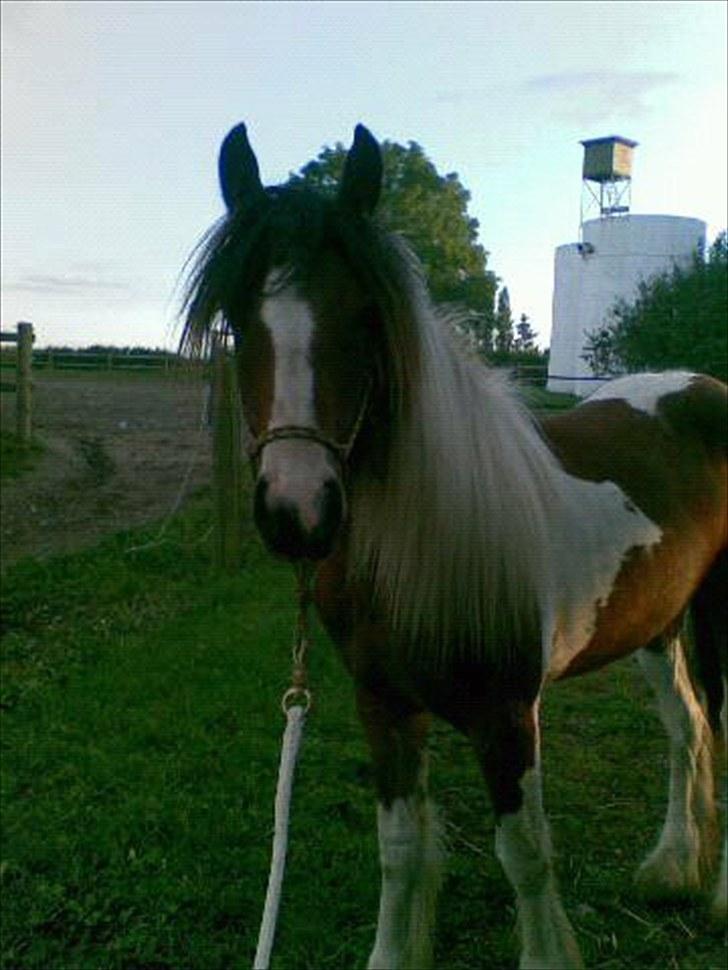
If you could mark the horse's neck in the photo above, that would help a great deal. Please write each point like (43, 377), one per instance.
(456, 532)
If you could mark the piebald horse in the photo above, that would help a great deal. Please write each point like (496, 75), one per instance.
(465, 556)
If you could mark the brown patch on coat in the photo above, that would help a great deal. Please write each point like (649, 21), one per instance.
(256, 370)
(672, 466)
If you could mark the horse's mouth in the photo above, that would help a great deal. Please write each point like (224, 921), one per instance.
(298, 531)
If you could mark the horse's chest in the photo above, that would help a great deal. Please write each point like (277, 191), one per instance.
(463, 685)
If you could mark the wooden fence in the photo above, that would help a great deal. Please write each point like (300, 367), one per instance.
(23, 386)
(102, 360)
(227, 457)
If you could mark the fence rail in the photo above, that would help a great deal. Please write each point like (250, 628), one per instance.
(23, 360)
(94, 360)
(533, 374)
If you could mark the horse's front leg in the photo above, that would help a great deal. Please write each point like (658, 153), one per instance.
(409, 849)
(507, 746)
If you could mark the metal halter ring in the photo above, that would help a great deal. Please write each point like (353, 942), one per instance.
(296, 697)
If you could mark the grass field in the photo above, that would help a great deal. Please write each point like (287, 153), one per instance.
(15, 456)
(140, 742)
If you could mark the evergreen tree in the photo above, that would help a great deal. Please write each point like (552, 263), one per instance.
(503, 342)
(525, 335)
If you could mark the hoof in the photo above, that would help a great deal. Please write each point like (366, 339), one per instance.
(663, 877)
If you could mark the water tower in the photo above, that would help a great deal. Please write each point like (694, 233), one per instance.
(606, 176)
(615, 252)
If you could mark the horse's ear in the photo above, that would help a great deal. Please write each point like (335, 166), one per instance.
(361, 183)
(238, 170)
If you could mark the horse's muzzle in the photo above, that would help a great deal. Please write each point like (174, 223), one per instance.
(299, 529)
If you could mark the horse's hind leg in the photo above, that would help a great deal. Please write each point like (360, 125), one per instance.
(677, 864)
(508, 751)
(710, 634)
(409, 847)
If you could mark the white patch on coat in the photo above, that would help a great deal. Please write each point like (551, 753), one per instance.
(643, 392)
(590, 540)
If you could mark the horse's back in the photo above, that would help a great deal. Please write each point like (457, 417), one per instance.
(660, 437)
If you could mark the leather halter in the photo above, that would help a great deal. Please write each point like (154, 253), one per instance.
(296, 432)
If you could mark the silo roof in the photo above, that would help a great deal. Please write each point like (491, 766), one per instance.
(608, 138)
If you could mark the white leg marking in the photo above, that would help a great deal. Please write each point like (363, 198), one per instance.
(523, 846)
(678, 860)
(410, 862)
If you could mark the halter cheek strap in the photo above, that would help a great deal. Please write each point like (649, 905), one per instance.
(296, 432)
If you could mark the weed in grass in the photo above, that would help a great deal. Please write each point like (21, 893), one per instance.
(16, 456)
(100, 464)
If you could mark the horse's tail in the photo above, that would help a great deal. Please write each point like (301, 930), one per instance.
(710, 639)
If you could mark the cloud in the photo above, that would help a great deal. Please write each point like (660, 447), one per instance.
(50, 283)
(593, 96)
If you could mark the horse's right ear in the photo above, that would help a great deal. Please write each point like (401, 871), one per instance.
(238, 170)
(361, 183)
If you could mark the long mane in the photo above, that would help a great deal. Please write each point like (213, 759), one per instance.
(454, 536)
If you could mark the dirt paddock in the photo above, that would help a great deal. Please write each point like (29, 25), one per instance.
(119, 449)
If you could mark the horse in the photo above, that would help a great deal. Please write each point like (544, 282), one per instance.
(466, 555)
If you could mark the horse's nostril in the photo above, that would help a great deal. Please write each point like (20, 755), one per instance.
(299, 530)
(331, 506)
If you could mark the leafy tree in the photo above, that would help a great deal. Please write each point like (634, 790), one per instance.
(430, 211)
(525, 335)
(677, 320)
(503, 342)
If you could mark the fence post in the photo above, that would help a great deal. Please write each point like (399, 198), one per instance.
(227, 460)
(24, 384)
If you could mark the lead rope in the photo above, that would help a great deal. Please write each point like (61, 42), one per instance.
(296, 702)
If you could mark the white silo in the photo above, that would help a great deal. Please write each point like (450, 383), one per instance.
(617, 251)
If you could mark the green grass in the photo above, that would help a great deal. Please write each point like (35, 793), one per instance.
(140, 745)
(540, 399)
(16, 458)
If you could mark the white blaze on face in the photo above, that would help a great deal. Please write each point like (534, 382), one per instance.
(295, 469)
(289, 321)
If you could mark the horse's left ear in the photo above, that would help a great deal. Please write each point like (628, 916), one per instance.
(361, 183)
(238, 170)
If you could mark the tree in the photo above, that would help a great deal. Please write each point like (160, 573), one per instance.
(525, 335)
(678, 320)
(430, 211)
(503, 342)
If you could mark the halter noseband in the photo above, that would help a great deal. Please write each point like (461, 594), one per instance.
(297, 432)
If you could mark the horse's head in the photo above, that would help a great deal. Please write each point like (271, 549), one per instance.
(305, 329)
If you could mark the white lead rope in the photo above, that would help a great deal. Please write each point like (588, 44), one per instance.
(295, 703)
(295, 720)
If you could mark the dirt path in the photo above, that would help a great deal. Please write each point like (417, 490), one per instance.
(118, 450)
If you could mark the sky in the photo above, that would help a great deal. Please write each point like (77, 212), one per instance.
(113, 113)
